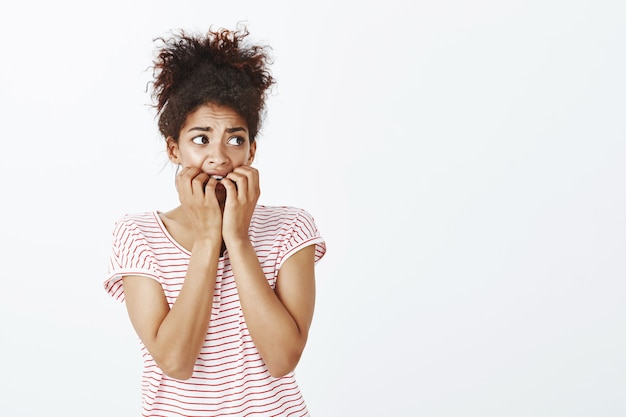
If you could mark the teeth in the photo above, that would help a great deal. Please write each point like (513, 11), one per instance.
(217, 177)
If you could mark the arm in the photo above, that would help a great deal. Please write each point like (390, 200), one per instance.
(279, 320)
(175, 336)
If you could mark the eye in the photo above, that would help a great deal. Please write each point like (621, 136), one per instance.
(236, 140)
(200, 140)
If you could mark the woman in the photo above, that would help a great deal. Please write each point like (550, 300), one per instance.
(220, 289)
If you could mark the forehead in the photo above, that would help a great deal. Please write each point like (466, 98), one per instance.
(215, 116)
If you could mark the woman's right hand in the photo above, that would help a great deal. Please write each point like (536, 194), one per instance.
(196, 192)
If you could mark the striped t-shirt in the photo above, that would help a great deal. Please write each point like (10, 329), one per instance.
(229, 377)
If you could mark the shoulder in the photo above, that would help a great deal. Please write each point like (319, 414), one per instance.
(290, 228)
(136, 223)
(279, 214)
(146, 217)
(283, 220)
(261, 209)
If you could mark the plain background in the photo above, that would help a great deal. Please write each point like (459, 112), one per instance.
(464, 161)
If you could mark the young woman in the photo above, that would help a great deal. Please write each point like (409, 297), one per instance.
(220, 289)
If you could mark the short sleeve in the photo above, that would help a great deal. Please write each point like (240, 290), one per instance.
(130, 255)
(303, 232)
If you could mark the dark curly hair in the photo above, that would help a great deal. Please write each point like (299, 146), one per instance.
(219, 67)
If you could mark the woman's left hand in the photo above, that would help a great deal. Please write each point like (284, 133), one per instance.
(242, 194)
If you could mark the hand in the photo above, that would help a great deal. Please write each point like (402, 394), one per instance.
(242, 194)
(196, 192)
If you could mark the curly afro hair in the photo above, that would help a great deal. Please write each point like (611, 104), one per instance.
(219, 67)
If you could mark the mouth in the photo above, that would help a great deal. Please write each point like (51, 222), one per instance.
(219, 178)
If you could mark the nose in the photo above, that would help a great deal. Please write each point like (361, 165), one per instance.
(216, 156)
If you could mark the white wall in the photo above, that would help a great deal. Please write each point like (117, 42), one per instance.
(464, 160)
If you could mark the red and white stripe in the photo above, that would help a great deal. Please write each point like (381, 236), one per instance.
(229, 378)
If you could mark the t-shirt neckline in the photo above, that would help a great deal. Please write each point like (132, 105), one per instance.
(174, 242)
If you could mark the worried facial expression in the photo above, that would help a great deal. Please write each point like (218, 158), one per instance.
(214, 139)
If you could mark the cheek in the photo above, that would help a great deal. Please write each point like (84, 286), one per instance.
(242, 158)
(191, 160)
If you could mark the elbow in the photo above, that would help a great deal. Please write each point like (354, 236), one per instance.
(279, 372)
(178, 374)
(284, 361)
(281, 366)
(176, 368)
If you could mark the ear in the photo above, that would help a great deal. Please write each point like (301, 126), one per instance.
(172, 150)
(251, 153)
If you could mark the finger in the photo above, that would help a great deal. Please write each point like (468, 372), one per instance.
(210, 183)
(183, 183)
(240, 180)
(209, 187)
(231, 188)
(251, 180)
(250, 172)
(186, 175)
(246, 170)
(198, 183)
(188, 172)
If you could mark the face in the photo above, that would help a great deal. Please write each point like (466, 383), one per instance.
(214, 139)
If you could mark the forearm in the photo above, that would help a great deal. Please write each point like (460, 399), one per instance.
(183, 331)
(274, 331)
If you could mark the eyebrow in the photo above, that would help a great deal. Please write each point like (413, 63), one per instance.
(210, 129)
